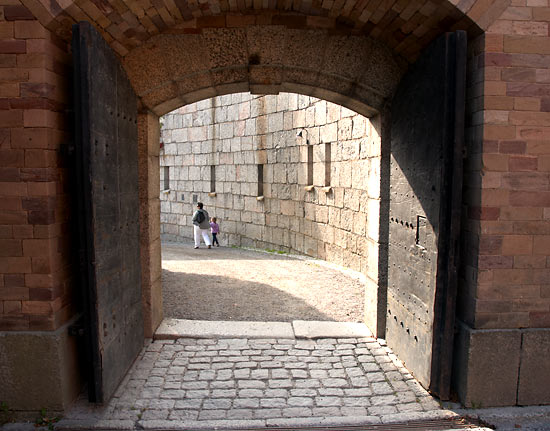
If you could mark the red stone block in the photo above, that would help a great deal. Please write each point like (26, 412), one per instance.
(37, 307)
(14, 323)
(6, 231)
(10, 247)
(521, 118)
(518, 74)
(17, 12)
(39, 174)
(541, 276)
(30, 30)
(526, 180)
(14, 294)
(534, 133)
(23, 231)
(14, 280)
(483, 213)
(35, 103)
(529, 261)
(514, 277)
(492, 262)
(10, 174)
(290, 21)
(12, 158)
(495, 162)
(36, 247)
(42, 323)
(39, 280)
(211, 21)
(11, 118)
(493, 306)
(514, 245)
(490, 244)
(512, 147)
(13, 217)
(40, 158)
(539, 227)
(40, 294)
(13, 46)
(13, 75)
(8, 60)
(41, 265)
(490, 146)
(12, 307)
(38, 204)
(523, 89)
(46, 188)
(9, 90)
(545, 104)
(30, 138)
(15, 265)
(37, 89)
(519, 163)
(13, 189)
(541, 245)
(240, 20)
(521, 213)
(526, 103)
(41, 217)
(47, 231)
(539, 319)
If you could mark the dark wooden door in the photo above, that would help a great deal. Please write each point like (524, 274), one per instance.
(108, 216)
(427, 138)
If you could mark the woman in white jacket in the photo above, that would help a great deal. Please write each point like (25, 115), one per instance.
(201, 225)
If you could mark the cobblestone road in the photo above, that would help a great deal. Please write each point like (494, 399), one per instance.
(259, 382)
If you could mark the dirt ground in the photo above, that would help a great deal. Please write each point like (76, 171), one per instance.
(238, 284)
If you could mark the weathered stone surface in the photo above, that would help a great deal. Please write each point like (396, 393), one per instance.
(174, 328)
(489, 355)
(534, 373)
(309, 329)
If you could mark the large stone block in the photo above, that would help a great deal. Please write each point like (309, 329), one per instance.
(39, 370)
(534, 373)
(485, 367)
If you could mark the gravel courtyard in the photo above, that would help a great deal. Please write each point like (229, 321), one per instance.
(240, 284)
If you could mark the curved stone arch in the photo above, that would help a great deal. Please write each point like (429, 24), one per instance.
(184, 65)
(171, 70)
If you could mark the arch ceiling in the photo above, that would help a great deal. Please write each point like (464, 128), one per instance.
(406, 26)
(350, 52)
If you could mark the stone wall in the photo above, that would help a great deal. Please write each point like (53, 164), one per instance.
(35, 251)
(37, 291)
(334, 215)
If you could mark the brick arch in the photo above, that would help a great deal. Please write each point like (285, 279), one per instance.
(405, 26)
(171, 70)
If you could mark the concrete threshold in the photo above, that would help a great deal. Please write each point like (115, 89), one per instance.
(171, 329)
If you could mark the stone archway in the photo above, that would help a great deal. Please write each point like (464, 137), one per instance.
(506, 197)
(261, 54)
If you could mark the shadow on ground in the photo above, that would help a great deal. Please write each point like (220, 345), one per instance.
(214, 297)
(172, 252)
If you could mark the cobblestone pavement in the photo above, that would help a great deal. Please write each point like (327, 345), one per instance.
(231, 383)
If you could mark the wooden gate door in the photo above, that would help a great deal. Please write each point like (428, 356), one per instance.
(107, 179)
(427, 137)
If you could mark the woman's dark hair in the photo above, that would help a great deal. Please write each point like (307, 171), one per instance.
(199, 205)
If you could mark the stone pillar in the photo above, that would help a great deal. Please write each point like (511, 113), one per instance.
(149, 215)
(38, 359)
